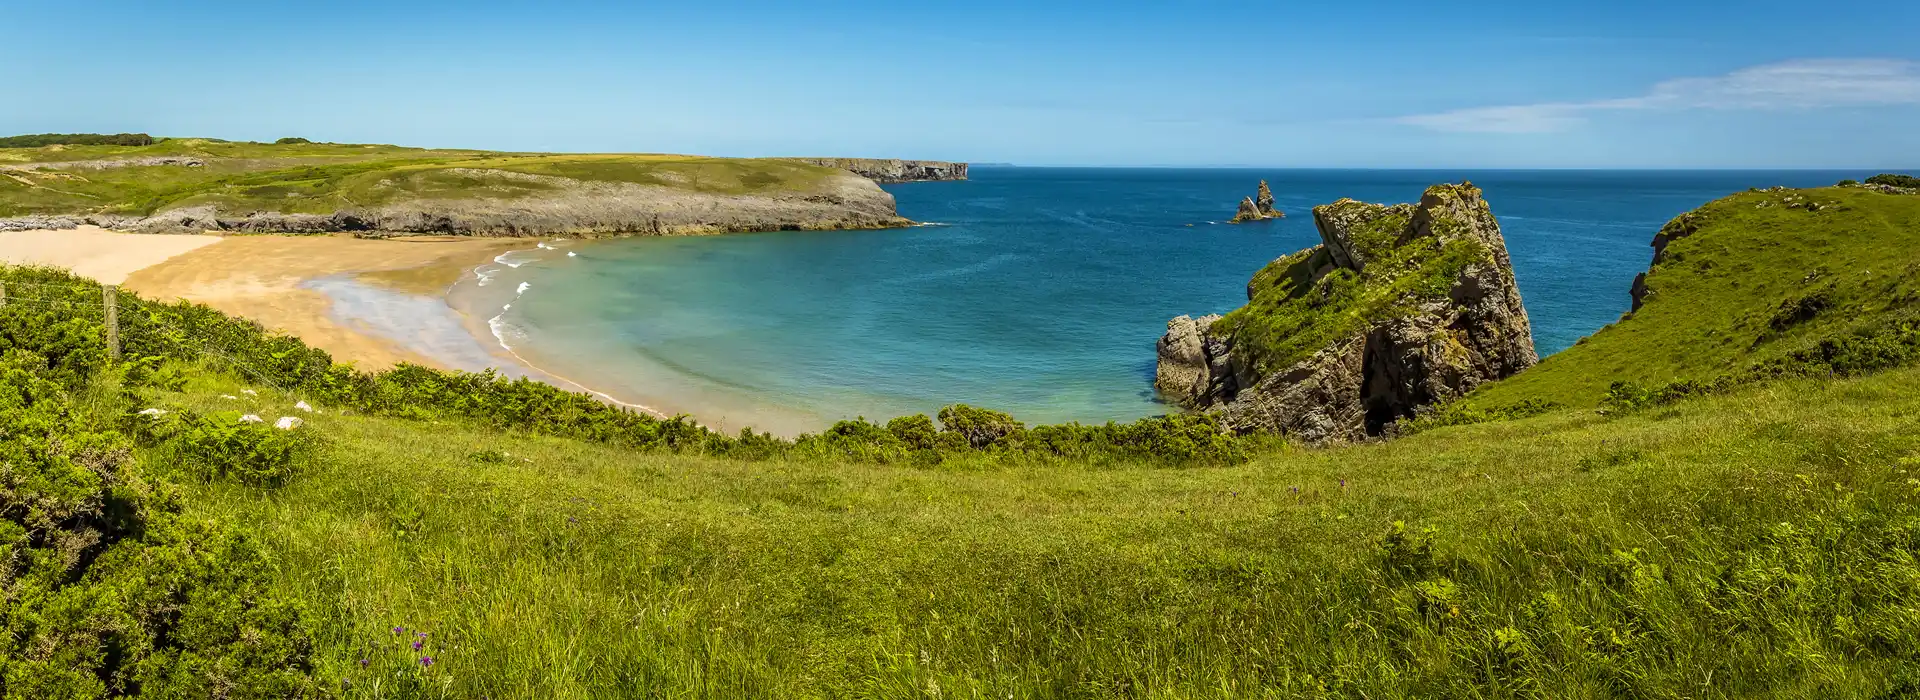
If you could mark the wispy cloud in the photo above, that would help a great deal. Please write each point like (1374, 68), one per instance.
(1803, 84)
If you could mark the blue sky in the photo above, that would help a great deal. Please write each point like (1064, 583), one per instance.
(1498, 83)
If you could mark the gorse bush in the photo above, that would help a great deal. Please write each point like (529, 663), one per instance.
(1895, 180)
(106, 587)
(291, 141)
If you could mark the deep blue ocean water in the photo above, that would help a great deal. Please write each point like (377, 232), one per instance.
(1040, 292)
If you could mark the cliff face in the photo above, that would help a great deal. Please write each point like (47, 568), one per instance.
(893, 170)
(1400, 307)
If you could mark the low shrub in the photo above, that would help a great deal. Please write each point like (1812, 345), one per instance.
(981, 428)
(109, 588)
(291, 141)
(1894, 180)
(221, 446)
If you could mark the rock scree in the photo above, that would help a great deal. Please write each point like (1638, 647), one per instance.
(1399, 308)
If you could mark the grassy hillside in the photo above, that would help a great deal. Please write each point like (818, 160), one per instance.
(323, 178)
(1762, 540)
(1755, 282)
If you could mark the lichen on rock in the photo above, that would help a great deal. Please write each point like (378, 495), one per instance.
(1400, 307)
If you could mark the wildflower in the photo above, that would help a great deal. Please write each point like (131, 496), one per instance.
(1295, 490)
(250, 418)
(249, 392)
(153, 412)
(363, 663)
(288, 423)
(1343, 483)
(399, 630)
(426, 661)
(303, 406)
(417, 644)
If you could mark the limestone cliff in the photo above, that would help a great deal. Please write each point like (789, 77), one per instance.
(893, 170)
(1400, 307)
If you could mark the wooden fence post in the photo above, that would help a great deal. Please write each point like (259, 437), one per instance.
(110, 295)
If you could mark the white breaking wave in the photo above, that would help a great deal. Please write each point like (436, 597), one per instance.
(524, 286)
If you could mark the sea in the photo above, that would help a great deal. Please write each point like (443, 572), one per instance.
(1035, 291)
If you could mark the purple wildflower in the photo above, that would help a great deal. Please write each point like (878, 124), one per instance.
(417, 644)
(1343, 483)
(399, 630)
(363, 663)
(1295, 489)
(426, 661)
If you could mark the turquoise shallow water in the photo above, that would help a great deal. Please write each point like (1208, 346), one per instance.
(1040, 291)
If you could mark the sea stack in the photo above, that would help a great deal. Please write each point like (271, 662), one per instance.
(1399, 308)
(1258, 207)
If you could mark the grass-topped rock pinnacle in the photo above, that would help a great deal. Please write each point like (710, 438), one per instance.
(1400, 307)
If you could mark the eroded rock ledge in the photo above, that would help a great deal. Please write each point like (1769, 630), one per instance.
(1399, 308)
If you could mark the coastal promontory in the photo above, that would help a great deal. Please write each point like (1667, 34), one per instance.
(1400, 307)
(296, 186)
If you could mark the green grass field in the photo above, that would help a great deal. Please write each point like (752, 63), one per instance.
(323, 178)
(1761, 539)
(1760, 280)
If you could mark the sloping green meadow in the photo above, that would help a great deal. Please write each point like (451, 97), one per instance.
(427, 534)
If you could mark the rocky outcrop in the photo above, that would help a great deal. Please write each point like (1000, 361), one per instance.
(1399, 308)
(1680, 227)
(111, 163)
(565, 207)
(1257, 208)
(893, 170)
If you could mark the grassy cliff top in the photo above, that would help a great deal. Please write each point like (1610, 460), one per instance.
(313, 178)
(1752, 283)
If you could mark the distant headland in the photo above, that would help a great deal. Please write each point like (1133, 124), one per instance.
(140, 183)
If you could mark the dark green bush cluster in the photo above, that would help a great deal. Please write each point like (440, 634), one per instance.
(106, 587)
(1894, 180)
(291, 141)
(193, 333)
(38, 140)
(1464, 413)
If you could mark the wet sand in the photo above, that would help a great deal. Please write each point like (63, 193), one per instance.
(272, 280)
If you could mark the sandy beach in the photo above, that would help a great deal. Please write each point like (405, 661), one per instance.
(274, 280)
(92, 252)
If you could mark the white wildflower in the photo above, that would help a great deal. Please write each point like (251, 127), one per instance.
(303, 406)
(250, 418)
(288, 423)
(153, 412)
